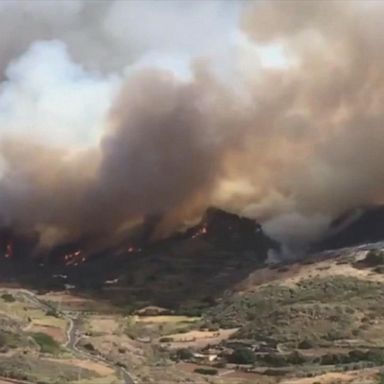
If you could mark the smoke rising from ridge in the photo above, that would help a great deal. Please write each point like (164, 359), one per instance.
(92, 142)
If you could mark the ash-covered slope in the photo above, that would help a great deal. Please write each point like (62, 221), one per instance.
(360, 226)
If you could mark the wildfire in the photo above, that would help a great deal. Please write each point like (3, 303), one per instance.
(111, 282)
(74, 258)
(9, 250)
(201, 232)
(132, 249)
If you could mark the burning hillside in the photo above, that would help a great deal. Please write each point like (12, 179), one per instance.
(221, 229)
(221, 250)
(230, 231)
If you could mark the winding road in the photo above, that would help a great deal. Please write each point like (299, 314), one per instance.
(73, 337)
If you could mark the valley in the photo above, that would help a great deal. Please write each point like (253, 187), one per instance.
(315, 320)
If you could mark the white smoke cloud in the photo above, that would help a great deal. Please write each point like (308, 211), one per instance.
(49, 99)
(109, 35)
(295, 231)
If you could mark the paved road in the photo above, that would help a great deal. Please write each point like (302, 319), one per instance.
(73, 333)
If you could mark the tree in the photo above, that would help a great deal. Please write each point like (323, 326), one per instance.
(184, 354)
(242, 356)
(306, 344)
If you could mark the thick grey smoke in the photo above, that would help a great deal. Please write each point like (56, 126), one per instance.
(159, 154)
(283, 122)
(108, 35)
(328, 107)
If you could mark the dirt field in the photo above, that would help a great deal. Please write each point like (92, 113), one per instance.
(103, 324)
(199, 339)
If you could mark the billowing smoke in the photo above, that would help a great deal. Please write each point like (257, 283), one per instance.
(115, 112)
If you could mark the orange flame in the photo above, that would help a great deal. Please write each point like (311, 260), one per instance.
(9, 250)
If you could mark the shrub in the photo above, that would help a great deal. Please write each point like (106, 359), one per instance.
(8, 298)
(220, 364)
(184, 354)
(89, 347)
(52, 313)
(331, 359)
(242, 356)
(206, 371)
(166, 340)
(375, 356)
(306, 344)
(380, 378)
(275, 360)
(213, 328)
(374, 257)
(296, 358)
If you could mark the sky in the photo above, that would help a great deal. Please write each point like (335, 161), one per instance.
(114, 112)
(62, 52)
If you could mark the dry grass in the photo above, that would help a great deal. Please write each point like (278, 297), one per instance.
(56, 333)
(66, 301)
(50, 321)
(297, 272)
(103, 324)
(199, 339)
(99, 380)
(361, 376)
(98, 368)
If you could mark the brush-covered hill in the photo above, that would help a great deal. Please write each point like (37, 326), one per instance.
(309, 318)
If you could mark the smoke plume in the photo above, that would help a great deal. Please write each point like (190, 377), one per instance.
(113, 112)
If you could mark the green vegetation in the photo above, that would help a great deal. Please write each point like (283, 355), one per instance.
(166, 340)
(46, 343)
(8, 298)
(89, 347)
(184, 354)
(306, 344)
(242, 356)
(374, 258)
(11, 340)
(52, 313)
(206, 371)
(316, 310)
(37, 370)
